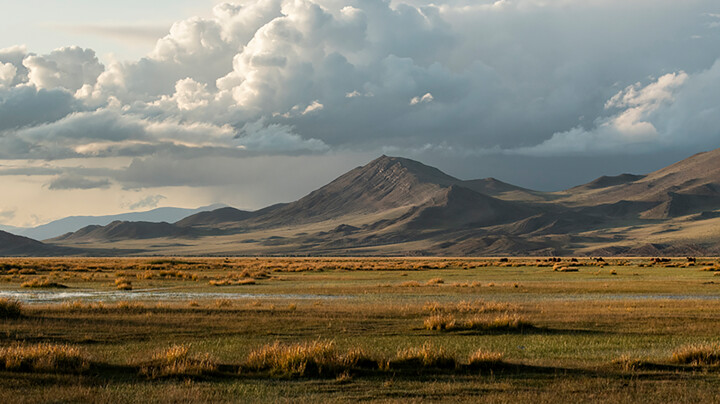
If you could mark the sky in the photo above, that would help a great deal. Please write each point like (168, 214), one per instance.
(110, 107)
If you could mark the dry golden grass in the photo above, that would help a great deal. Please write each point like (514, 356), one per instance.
(505, 322)
(435, 281)
(102, 307)
(296, 359)
(440, 322)
(42, 283)
(10, 308)
(123, 284)
(698, 354)
(565, 269)
(44, 358)
(357, 357)
(483, 358)
(425, 356)
(232, 282)
(177, 361)
(628, 363)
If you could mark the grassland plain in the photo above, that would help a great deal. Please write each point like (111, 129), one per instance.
(369, 329)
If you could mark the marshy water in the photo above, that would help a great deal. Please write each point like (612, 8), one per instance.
(54, 296)
(170, 295)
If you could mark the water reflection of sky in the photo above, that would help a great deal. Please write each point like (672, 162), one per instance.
(147, 295)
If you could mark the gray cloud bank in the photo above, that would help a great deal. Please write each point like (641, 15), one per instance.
(479, 88)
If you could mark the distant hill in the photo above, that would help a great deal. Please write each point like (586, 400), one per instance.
(70, 224)
(397, 206)
(13, 245)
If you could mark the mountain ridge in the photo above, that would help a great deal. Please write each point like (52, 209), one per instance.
(398, 206)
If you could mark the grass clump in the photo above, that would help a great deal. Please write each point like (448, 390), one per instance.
(425, 356)
(43, 358)
(232, 282)
(359, 358)
(10, 308)
(434, 281)
(440, 322)
(123, 284)
(299, 359)
(42, 283)
(482, 358)
(698, 354)
(505, 322)
(177, 361)
(629, 364)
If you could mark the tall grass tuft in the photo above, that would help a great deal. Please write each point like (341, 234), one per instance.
(177, 361)
(425, 356)
(440, 322)
(297, 359)
(481, 359)
(44, 358)
(698, 354)
(10, 308)
(506, 322)
(42, 283)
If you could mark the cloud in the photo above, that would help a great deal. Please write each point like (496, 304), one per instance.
(7, 214)
(7, 74)
(27, 107)
(308, 77)
(427, 97)
(677, 110)
(131, 34)
(259, 136)
(67, 182)
(69, 68)
(149, 202)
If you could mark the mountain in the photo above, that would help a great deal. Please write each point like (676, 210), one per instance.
(384, 184)
(215, 217)
(689, 186)
(119, 230)
(13, 245)
(397, 206)
(73, 223)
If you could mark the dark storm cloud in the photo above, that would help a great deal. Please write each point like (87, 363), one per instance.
(65, 182)
(519, 80)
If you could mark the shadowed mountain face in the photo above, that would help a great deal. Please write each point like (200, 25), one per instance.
(686, 187)
(12, 245)
(397, 206)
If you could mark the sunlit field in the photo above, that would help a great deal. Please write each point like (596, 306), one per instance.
(329, 330)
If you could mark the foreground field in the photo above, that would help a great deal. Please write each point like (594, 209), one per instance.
(328, 330)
